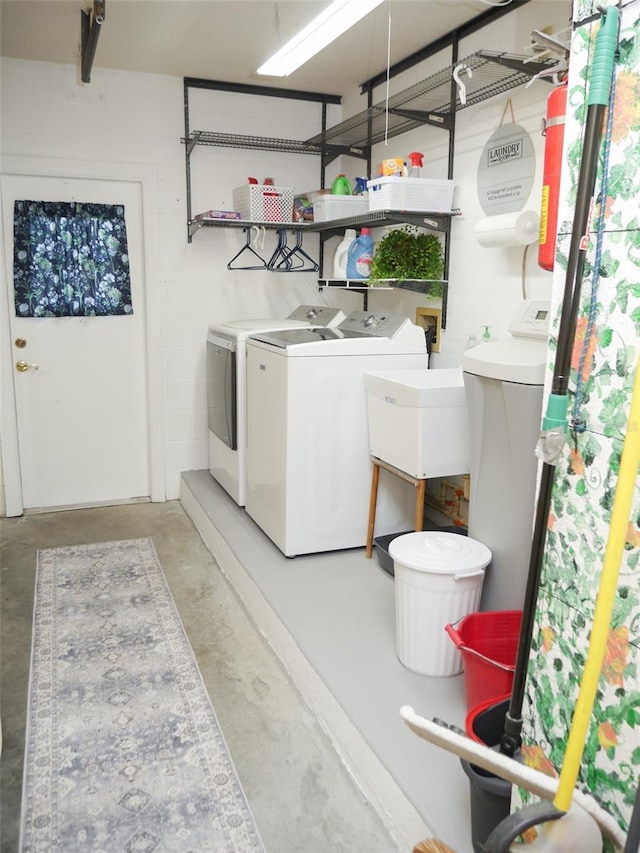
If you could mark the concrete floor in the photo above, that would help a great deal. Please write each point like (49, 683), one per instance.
(330, 617)
(301, 794)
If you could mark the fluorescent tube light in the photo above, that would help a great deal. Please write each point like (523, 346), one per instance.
(335, 20)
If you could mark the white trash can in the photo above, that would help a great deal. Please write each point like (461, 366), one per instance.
(438, 580)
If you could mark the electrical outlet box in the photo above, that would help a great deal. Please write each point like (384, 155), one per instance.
(431, 318)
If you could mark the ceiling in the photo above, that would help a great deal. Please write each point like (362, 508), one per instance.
(228, 39)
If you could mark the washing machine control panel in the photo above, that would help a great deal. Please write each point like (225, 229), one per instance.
(382, 325)
(317, 315)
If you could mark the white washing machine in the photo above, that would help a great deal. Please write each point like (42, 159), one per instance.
(308, 463)
(504, 386)
(226, 389)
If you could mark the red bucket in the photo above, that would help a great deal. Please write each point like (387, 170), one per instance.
(488, 643)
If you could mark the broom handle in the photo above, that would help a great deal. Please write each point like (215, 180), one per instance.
(629, 463)
(597, 99)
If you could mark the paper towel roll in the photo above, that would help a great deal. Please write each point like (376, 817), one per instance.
(509, 229)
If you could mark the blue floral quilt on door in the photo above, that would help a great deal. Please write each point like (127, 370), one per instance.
(70, 260)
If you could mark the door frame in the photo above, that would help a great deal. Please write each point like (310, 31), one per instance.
(146, 176)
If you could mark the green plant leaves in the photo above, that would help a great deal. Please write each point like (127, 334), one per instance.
(410, 254)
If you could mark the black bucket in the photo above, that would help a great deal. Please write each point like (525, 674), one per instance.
(490, 796)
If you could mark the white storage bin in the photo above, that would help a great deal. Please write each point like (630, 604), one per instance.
(264, 203)
(423, 194)
(326, 207)
(418, 420)
(438, 580)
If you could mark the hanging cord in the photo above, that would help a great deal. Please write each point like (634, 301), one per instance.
(276, 16)
(524, 272)
(386, 106)
(578, 423)
(508, 106)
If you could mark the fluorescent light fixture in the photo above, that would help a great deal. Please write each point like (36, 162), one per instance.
(335, 20)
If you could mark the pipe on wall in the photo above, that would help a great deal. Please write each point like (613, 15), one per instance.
(91, 25)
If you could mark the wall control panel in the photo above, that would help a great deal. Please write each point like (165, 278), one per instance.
(531, 319)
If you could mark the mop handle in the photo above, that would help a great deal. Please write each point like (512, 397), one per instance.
(629, 463)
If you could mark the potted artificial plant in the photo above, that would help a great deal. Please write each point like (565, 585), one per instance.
(409, 254)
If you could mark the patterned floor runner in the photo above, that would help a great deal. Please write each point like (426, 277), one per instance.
(123, 751)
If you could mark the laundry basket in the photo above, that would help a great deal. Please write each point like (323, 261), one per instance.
(488, 643)
(264, 202)
(438, 579)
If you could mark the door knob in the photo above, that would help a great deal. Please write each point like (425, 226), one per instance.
(24, 365)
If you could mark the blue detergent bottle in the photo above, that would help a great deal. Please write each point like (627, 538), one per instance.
(360, 255)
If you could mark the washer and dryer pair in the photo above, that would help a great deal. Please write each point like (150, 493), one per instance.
(226, 389)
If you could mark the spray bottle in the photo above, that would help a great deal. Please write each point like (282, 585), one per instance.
(415, 164)
(360, 187)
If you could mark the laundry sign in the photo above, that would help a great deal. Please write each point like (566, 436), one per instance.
(506, 170)
(502, 152)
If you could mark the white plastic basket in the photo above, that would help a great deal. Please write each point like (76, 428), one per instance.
(264, 203)
(423, 194)
(326, 207)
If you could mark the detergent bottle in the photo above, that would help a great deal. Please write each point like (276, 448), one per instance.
(341, 185)
(340, 258)
(360, 255)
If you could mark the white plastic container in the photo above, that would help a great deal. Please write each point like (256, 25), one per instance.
(327, 207)
(438, 580)
(418, 420)
(424, 194)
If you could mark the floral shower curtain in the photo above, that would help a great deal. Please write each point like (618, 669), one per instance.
(70, 260)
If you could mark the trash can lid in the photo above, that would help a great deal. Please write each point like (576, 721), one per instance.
(440, 552)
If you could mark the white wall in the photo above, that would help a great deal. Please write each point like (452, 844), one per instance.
(2, 502)
(485, 285)
(138, 118)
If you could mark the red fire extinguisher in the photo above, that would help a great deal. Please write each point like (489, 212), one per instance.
(554, 135)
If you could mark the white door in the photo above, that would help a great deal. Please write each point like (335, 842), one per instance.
(82, 413)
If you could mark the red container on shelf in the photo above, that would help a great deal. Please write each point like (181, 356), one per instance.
(488, 643)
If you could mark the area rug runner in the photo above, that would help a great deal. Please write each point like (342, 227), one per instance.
(123, 751)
